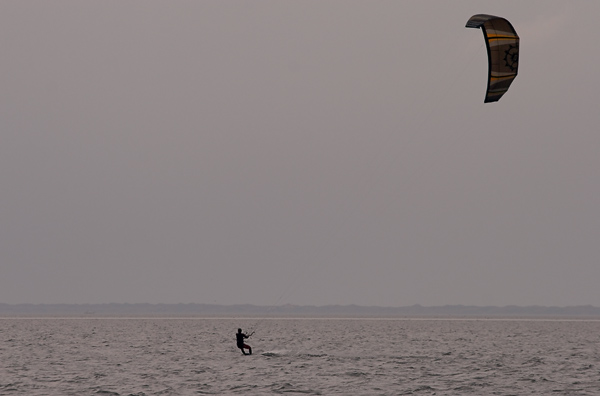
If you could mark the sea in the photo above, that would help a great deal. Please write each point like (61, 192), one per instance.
(310, 356)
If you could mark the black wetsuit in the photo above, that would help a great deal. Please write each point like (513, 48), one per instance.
(240, 339)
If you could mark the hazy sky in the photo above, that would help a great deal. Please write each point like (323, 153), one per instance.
(301, 152)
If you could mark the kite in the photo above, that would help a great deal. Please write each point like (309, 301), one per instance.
(502, 44)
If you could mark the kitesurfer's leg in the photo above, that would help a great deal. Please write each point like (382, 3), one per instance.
(244, 352)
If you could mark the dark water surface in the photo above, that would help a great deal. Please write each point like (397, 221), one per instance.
(166, 356)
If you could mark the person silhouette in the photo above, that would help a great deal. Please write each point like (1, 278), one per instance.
(240, 342)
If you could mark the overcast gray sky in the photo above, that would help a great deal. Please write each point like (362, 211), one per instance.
(301, 152)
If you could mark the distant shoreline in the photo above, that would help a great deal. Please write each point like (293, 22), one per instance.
(295, 311)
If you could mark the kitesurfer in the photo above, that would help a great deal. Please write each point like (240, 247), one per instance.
(240, 342)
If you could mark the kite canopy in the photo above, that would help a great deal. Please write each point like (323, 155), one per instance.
(502, 44)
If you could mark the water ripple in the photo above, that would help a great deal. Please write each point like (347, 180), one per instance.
(139, 357)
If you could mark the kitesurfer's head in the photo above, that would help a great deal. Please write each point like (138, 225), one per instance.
(239, 330)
